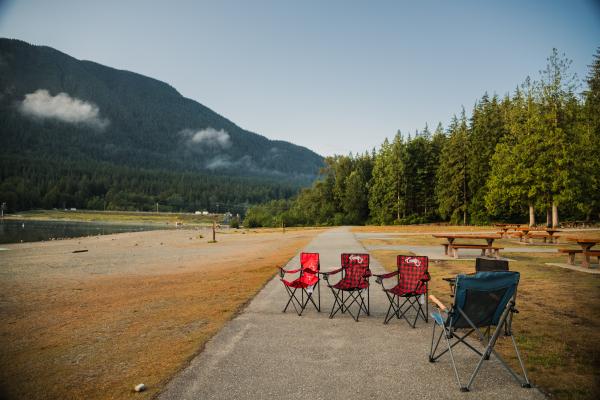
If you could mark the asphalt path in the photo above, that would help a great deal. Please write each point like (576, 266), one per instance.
(266, 354)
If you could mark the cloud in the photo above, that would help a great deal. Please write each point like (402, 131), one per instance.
(208, 137)
(224, 161)
(40, 104)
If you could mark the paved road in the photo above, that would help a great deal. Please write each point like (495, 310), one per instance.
(265, 354)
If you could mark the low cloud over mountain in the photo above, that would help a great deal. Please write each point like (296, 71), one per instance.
(62, 107)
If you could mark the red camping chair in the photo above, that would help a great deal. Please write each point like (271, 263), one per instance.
(306, 282)
(354, 282)
(412, 287)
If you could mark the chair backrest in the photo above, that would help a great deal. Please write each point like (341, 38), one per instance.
(310, 268)
(483, 297)
(490, 264)
(412, 269)
(355, 267)
(310, 261)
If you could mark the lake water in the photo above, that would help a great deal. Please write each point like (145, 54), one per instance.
(17, 231)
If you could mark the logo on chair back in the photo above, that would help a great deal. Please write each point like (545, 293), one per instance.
(412, 260)
(355, 258)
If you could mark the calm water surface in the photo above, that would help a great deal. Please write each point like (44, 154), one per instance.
(17, 231)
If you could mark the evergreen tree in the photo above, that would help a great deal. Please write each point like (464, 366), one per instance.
(452, 176)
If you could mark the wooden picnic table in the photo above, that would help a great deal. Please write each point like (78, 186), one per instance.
(551, 232)
(526, 230)
(505, 227)
(586, 244)
(452, 237)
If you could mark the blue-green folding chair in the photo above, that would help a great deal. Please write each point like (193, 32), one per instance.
(482, 300)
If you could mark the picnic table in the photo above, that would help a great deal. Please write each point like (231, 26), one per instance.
(450, 245)
(528, 231)
(505, 227)
(586, 244)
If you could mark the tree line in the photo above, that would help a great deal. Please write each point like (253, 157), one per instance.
(532, 152)
(30, 183)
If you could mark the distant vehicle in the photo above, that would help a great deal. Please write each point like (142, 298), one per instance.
(198, 213)
(204, 212)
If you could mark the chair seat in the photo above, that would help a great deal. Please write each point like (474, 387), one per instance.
(398, 290)
(303, 282)
(349, 286)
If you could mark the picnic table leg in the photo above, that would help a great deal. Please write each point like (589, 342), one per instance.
(586, 258)
(571, 258)
(586, 261)
(454, 252)
(448, 246)
(497, 253)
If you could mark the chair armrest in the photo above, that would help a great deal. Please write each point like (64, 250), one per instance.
(332, 272)
(290, 271)
(440, 305)
(326, 274)
(388, 275)
(368, 274)
(282, 271)
(380, 277)
(425, 277)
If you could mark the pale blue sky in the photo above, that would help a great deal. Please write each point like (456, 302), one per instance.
(334, 76)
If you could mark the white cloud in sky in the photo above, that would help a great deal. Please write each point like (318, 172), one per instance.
(41, 104)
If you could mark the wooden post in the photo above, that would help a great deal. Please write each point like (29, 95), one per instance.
(213, 230)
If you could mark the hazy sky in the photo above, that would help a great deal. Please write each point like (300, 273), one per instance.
(334, 76)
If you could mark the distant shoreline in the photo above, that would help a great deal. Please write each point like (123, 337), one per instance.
(117, 217)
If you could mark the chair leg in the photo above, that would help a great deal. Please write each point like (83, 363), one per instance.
(319, 294)
(293, 300)
(446, 336)
(393, 307)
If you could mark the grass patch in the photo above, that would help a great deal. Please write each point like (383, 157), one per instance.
(557, 329)
(433, 228)
(97, 336)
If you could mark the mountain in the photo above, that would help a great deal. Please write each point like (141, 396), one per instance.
(57, 110)
(139, 121)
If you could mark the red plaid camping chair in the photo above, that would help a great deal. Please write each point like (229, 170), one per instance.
(351, 287)
(411, 287)
(306, 282)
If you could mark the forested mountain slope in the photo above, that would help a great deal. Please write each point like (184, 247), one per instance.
(93, 118)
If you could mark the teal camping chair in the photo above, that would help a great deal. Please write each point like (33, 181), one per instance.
(482, 300)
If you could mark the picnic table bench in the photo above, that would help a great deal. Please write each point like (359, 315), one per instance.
(586, 248)
(543, 235)
(528, 233)
(483, 247)
(571, 253)
(591, 253)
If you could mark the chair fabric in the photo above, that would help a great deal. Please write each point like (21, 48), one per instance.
(352, 285)
(412, 286)
(490, 264)
(482, 300)
(306, 282)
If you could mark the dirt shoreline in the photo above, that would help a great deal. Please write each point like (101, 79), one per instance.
(133, 308)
